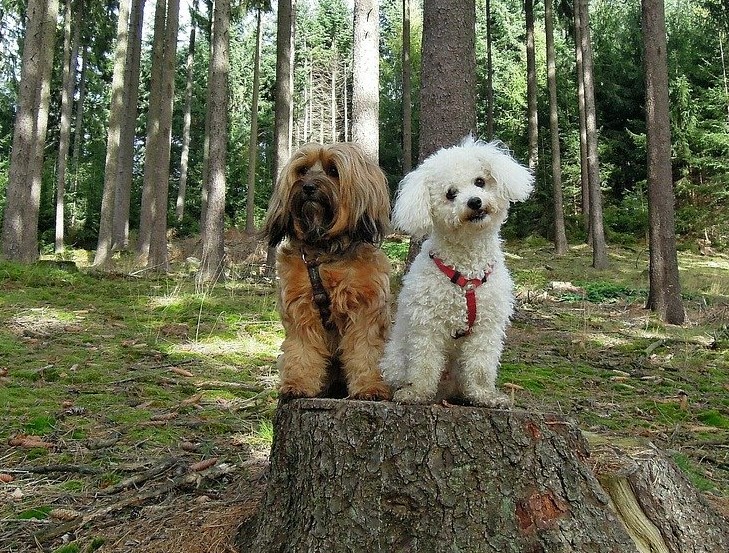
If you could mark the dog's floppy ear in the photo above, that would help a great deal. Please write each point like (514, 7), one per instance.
(515, 182)
(412, 205)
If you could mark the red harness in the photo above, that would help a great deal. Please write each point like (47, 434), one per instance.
(469, 285)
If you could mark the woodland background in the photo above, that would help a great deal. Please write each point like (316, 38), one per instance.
(699, 109)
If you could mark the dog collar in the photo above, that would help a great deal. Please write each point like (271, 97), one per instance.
(469, 285)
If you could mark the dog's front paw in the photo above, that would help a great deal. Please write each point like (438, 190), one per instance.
(295, 389)
(491, 399)
(408, 394)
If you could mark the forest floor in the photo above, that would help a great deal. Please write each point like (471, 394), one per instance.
(136, 410)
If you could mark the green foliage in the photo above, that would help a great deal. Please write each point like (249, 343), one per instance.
(697, 51)
(38, 513)
(396, 250)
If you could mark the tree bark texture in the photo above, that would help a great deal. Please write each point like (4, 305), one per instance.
(103, 246)
(20, 220)
(186, 123)
(584, 174)
(599, 248)
(448, 80)
(407, 104)
(532, 113)
(366, 78)
(366, 476)
(71, 40)
(664, 296)
(560, 236)
(152, 142)
(158, 258)
(125, 165)
(448, 85)
(660, 508)
(213, 253)
(489, 75)
(253, 141)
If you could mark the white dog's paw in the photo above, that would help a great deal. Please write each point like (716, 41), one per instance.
(491, 399)
(408, 394)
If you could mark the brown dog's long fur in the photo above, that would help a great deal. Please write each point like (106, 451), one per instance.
(331, 206)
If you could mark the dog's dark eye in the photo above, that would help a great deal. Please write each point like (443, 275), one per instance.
(451, 194)
(332, 171)
(480, 182)
(302, 170)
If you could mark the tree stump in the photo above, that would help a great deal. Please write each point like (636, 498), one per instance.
(661, 510)
(367, 477)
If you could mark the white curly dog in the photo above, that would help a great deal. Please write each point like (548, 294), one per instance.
(456, 300)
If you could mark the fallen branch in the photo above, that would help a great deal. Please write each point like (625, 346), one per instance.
(80, 469)
(196, 479)
(137, 479)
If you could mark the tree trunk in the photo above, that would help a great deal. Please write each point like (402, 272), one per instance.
(211, 268)
(366, 78)
(127, 134)
(72, 35)
(103, 247)
(253, 141)
(152, 143)
(448, 85)
(187, 122)
(366, 476)
(599, 248)
(664, 290)
(407, 103)
(584, 174)
(661, 511)
(78, 133)
(532, 116)
(560, 237)
(20, 220)
(284, 97)
(152, 246)
(333, 94)
(489, 76)
(206, 138)
(158, 258)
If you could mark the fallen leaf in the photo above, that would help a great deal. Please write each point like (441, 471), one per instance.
(17, 494)
(6, 478)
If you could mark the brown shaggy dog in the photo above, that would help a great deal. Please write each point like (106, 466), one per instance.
(329, 209)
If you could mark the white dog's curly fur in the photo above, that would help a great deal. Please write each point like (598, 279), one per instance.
(460, 197)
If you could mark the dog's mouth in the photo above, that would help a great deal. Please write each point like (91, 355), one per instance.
(478, 215)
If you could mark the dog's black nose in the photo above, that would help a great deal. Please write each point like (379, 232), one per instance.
(474, 203)
(309, 187)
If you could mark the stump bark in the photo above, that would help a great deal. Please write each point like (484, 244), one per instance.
(368, 477)
(661, 510)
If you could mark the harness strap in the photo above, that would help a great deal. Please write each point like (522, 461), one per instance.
(319, 293)
(469, 285)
